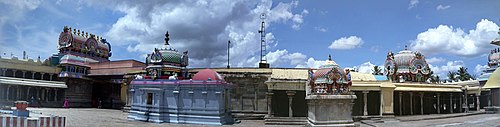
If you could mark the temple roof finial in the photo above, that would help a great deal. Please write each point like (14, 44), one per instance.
(329, 57)
(167, 38)
(406, 47)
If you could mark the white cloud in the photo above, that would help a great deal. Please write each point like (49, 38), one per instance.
(449, 40)
(321, 29)
(202, 27)
(443, 70)
(311, 63)
(435, 60)
(413, 3)
(346, 43)
(366, 67)
(375, 48)
(479, 69)
(280, 57)
(442, 7)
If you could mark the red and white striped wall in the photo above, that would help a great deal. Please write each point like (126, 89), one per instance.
(54, 121)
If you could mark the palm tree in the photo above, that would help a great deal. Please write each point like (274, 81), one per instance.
(376, 70)
(451, 76)
(434, 78)
(463, 74)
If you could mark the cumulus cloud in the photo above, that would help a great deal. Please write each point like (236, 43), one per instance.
(202, 27)
(280, 57)
(435, 60)
(311, 63)
(479, 69)
(442, 7)
(413, 3)
(366, 67)
(449, 40)
(443, 70)
(346, 43)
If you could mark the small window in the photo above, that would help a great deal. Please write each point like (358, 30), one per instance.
(149, 99)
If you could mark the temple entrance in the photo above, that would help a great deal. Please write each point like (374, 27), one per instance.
(281, 100)
(149, 99)
(106, 95)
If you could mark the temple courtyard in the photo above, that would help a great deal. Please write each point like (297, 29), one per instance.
(112, 118)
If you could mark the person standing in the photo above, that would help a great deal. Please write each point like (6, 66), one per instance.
(33, 101)
(39, 102)
(66, 103)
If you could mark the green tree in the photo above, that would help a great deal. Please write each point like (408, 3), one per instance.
(434, 78)
(462, 74)
(376, 70)
(451, 75)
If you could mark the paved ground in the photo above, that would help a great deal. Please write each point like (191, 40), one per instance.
(446, 120)
(90, 117)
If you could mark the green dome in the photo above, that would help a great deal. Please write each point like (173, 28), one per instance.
(171, 56)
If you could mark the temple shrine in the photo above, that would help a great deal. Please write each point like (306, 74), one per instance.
(167, 94)
(406, 66)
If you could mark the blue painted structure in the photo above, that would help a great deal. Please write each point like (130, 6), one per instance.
(160, 97)
(181, 101)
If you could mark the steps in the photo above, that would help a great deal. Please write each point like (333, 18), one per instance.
(285, 121)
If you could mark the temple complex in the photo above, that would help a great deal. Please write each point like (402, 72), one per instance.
(164, 89)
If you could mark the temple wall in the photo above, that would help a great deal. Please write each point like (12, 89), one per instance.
(249, 93)
(79, 92)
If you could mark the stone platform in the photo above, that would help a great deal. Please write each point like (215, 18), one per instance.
(330, 110)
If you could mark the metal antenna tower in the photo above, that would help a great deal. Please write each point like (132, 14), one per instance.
(263, 61)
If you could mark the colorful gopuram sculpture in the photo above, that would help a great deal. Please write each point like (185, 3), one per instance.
(77, 49)
(406, 66)
(330, 102)
(330, 78)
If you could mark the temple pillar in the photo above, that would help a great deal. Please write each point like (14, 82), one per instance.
(400, 103)
(290, 99)
(381, 103)
(8, 92)
(50, 77)
(451, 102)
(438, 103)
(460, 104)
(24, 74)
(41, 76)
(478, 104)
(466, 102)
(28, 94)
(269, 96)
(421, 103)
(3, 72)
(387, 99)
(489, 99)
(17, 93)
(55, 94)
(365, 101)
(411, 103)
(14, 73)
(33, 75)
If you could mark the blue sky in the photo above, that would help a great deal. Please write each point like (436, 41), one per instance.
(450, 33)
